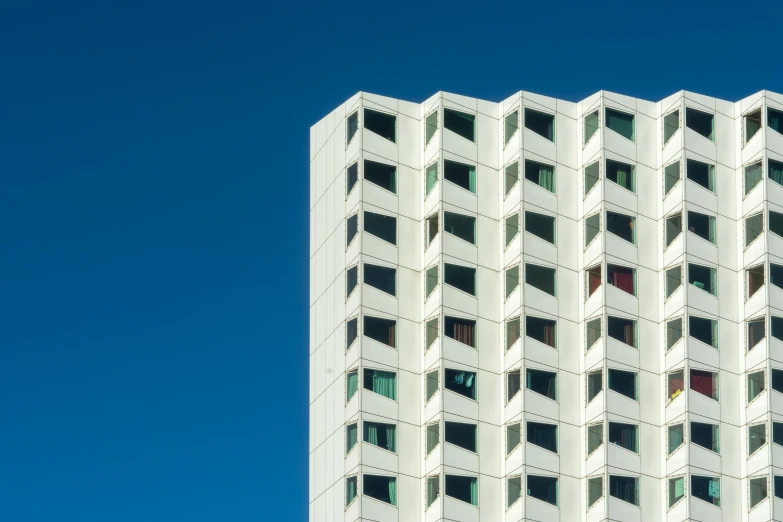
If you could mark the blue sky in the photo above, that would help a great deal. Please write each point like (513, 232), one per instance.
(153, 215)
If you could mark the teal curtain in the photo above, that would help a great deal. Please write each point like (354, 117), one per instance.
(546, 177)
(472, 180)
(712, 234)
(391, 437)
(622, 178)
(474, 492)
(350, 437)
(432, 490)
(752, 176)
(433, 437)
(714, 490)
(776, 172)
(775, 120)
(385, 383)
(714, 334)
(679, 487)
(432, 177)
(371, 433)
(711, 179)
(393, 491)
(350, 490)
(352, 385)
(714, 281)
(675, 438)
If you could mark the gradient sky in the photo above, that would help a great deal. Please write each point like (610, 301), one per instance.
(153, 215)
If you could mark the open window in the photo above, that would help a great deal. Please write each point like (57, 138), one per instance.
(513, 384)
(351, 229)
(592, 228)
(776, 222)
(380, 488)
(461, 174)
(543, 488)
(757, 490)
(513, 331)
(513, 437)
(461, 382)
(621, 277)
(433, 489)
(430, 126)
(675, 384)
(752, 124)
(382, 435)
(460, 225)
(351, 126)
(431, 332)
(592, 175)
(622, 123)
(621, 174)
(592, 123)
(460, 123)
(381, 123)
(755, 279)
(381, 174)
(351, 177)
(676, 437)
(461, 434)
(511, 228)
(673, 279)
(541, 277)
(622, 329)
(512, 176)
(671, 176)
(775, 119)
(510, 126)
(542, 330)
(702, 123)
(593, 279)
(755, 384)
(753, 175)
(702, 225)
(704, 330)
(381, 382)
(775, 171)
(624, 435)
(351, 384)
(701, 173)
(672, 226)
(754, 227)
(592, 332)
(671, 122)
(541, 123)
(673, 332)
(595, 437)
(704, 278)
(433, 436)
(432, 227)
(542, 382)
(705, 382)
(512, 279)
(757, 437)
(461, 330)
(351, 436)
(624, 383)
(462, 488)
(431, 178)
(431, 280)
(756, 332)
(594, 384)
(381, 277)
(541, 174)
(431, 385)
(595, 490)
(541, 225)
(381, 226)
(514, 489)
(706, 435)
(621, 225)
(381, 330)
(460, 277)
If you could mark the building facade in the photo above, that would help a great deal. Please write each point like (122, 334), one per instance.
(545, 310)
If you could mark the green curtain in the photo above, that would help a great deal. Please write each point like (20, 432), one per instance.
(714, 490)
(433, 437)
(391, 437)
(393, 491)
(472, 180)
(385, 383)
(352, 385)
(714, 334)
(775, 120)
(714, 281)
(776, 172)
(432, 177)
(350, 490)
(474, 491)
(371, 433)
(546, 177)
(712, 234)
(432, 490)
(350, 437)
(679, 487)
(622, 178)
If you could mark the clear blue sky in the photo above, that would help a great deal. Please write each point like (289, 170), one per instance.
(153, 215)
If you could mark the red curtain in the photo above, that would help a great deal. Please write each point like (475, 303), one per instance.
(676, 382)
(392, 330)
(593, 281)
(755, 280)
(549, 335)
(623, 279)
(703, 382)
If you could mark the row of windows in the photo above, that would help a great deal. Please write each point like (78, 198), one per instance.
(384, 488)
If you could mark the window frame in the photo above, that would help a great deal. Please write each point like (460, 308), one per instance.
(687, 108)
(596, 213)
(679, 163)
(507, 139)
(355, 317)
(588, 481)
(763, 373)
(436, 164)
(345, 436)
(760, 110)
(666, 333)
(679, 112)
(449, 109)
(378, 111)
(597, 112)
(349, 139)
(546, 113)
(435, 265)
(588, 374)
(757, 319)
(632, 139)
(745, 228)
(685, 490)
(506, 188)
(436, 112)
(745, 191)
(349, 191)
(597, 162)
(766, 489)
(684, 441)
(505, 280)
(554, 225)
(587, 437)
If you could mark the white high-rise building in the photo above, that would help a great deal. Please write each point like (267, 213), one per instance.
(545, 310)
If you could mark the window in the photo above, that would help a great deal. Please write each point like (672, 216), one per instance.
(431, 280)
(778, 486)
(594, 384)
(754, 226)
(592, 228)
(541, 123)
(624, 488)
(430, 126)
(755, 278)
(704, 330)
(705, 435)
(381, 330)
(757, 488)
(593, 331)
(513, 437)
(384, 227)
(351, 126)
(621, 277)
(624, 330)
(621, 226)
(513, 384)
(701, 174)
(671, 176)
(460, 277)
(775, 171)
(777, 434)
(621, 122)
(382, 124)
(431, 178)
(350, 437)
(433, 489)
(512, 176)
(776, 223)
(591, 125)
(460, 225)
(351, 228)
(431, 385)
(460, 123)
(701, 122)
(676, 383)
(460, 174)
(381, 277)
(752, 124)
(595, 490)
(755, 332)
(351, 177)
(433, 436)
(676, 489)
(704, 278)
(755, 384)
(385, 176)
(673, 280)
(542, 488)
(381, 435)
(673, 227)
(540, 225)
(511, 124)
(622, 174)
(757, 437)
(702, 225)
(775, 120)
(593, 276)
(624, 435)
(514, 486)
(673, 332)
(351, 331)
(542, 382)
(512, 279)
(461, 382)
(432, 228)
(542, 330)
(380, 488)
(382, 383)
(676, 437)
(671, 122)
(777, 380)
(462, 434)
(624, 383)
(461, 330)
(512, 228)
(776, 329)
(705, 382)
(462, 488)
(592, 175)
(351, 384)
(540, 174)
(431, 332)
(541, 277)
(513, 331)
(351, 280)
(543, 435)
(753, 174)
(776, 275)
(595, 437)
(350, 490)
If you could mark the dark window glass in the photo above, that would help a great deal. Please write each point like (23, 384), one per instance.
(671, 122)
(540, 225)
(351, 331)
(380, 488)
(381, 330)
(702, 225)
(460, 174)
(701, 174)
(462, 488)
(701, 122)
(624, 488)
(775, 120)
(464, 227)
(542, 330)
(352, 177)
(352, 125)
(777, 380)
(351, 227)
(620, 122)
(541, 277)
(624, 330)
(623, 383)
(381, 277)
(542, 382)
(673, 332)
(776, 223)
(384, 227)
(621, 225)
(461, 382)
(541, 123)
(544, 435)
(460, 123)
(624, 435)
(705, 330)
(540, 174)
(461, 434)
(622, 174)
(705, 435)
(351, 279)
(385, 176)
(460, 277)
(706, 489)
(542, 488)
(703, 278)
(459, 329)
(382, 124)
(513, 383)
(594, 385)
